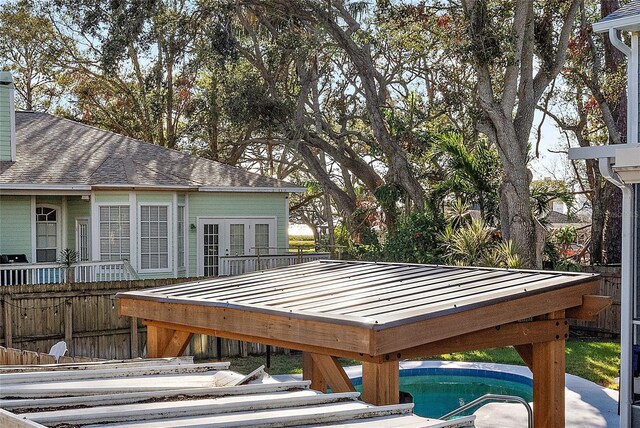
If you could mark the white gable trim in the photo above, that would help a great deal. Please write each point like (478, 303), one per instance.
(630, 23)
(253, 189)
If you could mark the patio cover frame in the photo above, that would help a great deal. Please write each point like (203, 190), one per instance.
(524, 309)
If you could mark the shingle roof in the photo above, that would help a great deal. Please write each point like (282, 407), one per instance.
(620, 18)
(54, 151)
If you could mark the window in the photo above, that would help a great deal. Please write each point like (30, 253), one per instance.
(46, 234)
(262, 238)
(114, 233)
(180, 236)
(154, 237)
(236, 239)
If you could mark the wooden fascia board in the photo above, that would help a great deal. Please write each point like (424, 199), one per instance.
(406, 336)
(590, 308)
(359, 356)
(518, 333)
(267, 327)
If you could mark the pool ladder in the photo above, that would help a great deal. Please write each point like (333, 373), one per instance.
(493, 397)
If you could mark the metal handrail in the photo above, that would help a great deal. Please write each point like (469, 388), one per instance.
(493, 397)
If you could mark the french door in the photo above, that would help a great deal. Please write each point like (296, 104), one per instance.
(232, 237)
(82, 239)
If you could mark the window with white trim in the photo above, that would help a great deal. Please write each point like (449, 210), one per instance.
(180, 236)
(115, 233)
(154, 237)
(236, 239)
(261, 235)
(46, 234)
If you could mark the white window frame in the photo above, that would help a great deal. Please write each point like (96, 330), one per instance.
(224, 222)
(169, 268)
(97, 254)
(86, 220)
(58, 230)
(184, 237)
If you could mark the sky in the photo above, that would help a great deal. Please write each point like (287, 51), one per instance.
(553, 165)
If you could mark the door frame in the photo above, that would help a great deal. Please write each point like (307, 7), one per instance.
(223, 241)
(86, 221)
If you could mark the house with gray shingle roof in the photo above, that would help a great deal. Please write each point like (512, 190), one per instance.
(64, 184)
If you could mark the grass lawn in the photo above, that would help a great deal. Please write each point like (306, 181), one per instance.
(597, 361)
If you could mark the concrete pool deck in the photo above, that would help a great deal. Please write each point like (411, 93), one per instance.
(587, 405)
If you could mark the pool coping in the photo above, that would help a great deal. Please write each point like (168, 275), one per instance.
(588, 405)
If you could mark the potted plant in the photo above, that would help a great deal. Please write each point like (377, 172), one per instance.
(67, 258)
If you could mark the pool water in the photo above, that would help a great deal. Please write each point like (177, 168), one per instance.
(437, 391)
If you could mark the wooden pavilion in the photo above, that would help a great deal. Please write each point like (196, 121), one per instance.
(380, 313)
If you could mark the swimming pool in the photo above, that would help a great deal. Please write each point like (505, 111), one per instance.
(437, 391)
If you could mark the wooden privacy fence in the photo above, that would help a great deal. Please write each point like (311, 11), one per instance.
(608, 322)
(85, 316)
(18, 357)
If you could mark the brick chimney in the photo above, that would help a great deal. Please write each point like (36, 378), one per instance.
(7, 118)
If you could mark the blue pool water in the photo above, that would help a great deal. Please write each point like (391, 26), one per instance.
(437, 391)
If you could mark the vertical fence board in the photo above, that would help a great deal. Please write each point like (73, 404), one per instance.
(86, 317)
(608, 322)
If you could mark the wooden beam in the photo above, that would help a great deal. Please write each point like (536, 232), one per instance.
(381, 383)
(178, 343)
(526, 353)
(311, 372)
(321, 334)
(590, 308)
(405, 336)
(549, 381)
(271, 341)
(517, 333)
(333, 373)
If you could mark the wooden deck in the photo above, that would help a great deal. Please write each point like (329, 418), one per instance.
(379, 313)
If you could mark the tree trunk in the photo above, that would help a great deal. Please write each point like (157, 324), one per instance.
(515, 214)
(614, 59)
(613, 227)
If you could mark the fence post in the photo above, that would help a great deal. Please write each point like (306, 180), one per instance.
(8, 322)
(134, 337)
(68, 326)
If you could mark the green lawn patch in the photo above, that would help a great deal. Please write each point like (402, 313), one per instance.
(597, 361)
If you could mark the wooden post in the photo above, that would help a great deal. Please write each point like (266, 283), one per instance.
(134, 337)
(8, 322)
(68, 326)
(381, 383)
(526, 353)
(311, 371)
(165, 342)
(549, 380)
(157, 340)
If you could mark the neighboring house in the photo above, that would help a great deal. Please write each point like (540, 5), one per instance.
(64, 184)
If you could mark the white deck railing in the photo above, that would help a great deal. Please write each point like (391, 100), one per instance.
(236, 265)
(51, 273)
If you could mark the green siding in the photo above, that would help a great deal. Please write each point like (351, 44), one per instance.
(76, 207)
(234, 205)
(154, 197)
(5, 123)
(112, 197)
(50, 200)
(15, 225)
